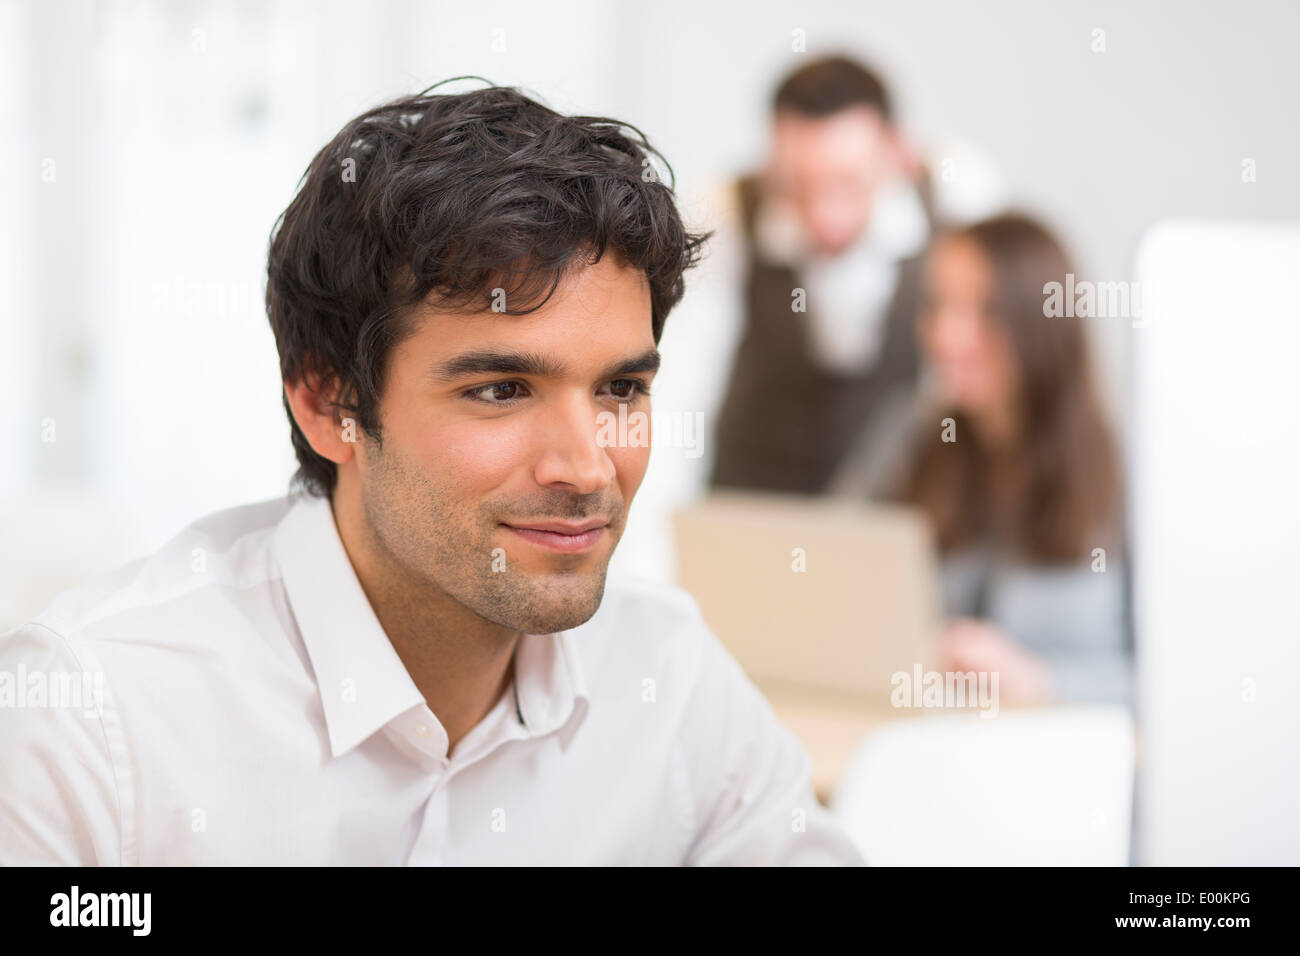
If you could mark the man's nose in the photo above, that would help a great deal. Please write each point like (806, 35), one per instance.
(571, 453)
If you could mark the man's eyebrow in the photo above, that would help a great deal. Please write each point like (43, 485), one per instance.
(495, 362)
(647, 361)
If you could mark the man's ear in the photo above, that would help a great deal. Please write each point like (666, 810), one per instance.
(330, 432)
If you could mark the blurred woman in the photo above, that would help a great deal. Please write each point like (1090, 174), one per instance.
(1012, 461)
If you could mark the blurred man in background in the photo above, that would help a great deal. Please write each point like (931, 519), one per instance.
(831, 229)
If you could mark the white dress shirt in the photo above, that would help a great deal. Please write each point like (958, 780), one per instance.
(249, 709)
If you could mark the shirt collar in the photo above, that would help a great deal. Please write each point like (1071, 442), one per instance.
(362, 682)
(550, 691)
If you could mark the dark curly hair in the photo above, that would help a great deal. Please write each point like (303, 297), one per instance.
(450, 197)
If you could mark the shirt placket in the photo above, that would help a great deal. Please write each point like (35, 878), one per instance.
(500, 727)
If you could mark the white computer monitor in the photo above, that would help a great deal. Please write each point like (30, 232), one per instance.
(1216, 535)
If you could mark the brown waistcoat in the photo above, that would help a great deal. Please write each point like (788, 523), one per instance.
(785, 422)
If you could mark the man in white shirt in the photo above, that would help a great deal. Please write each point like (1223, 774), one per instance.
(415, 658)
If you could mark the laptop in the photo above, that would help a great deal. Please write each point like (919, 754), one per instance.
(821, 601)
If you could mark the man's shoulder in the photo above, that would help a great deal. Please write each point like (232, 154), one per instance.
(204, 564)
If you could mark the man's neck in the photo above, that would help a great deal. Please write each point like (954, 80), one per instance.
(460, 663)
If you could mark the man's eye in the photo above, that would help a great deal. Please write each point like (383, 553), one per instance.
(626, 389)
(498, 393)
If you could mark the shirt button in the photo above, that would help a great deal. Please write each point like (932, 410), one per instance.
(421, 730)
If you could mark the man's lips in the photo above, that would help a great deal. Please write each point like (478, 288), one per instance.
(563, 536)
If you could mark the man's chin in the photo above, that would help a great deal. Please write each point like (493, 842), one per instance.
(557, 602)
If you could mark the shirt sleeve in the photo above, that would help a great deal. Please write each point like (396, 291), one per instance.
(1075, 620)
(1106, 679)
(876, 463)
(752, 778)
(58, 794)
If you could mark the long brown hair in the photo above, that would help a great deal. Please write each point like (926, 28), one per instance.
(1064, 465)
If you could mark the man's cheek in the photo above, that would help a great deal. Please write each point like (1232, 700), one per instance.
(471, 463)
(630, 466)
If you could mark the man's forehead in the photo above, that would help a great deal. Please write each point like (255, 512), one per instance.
(598, 313)
(850, 132)
(452, 345)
